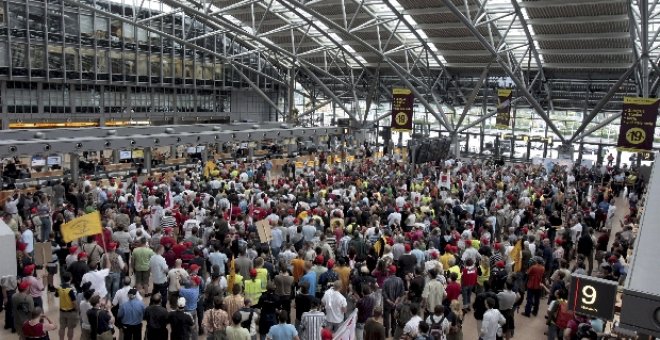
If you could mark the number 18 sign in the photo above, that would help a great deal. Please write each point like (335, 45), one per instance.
(592, 296)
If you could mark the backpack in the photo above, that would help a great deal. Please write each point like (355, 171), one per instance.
(456, 326)
(564, 315)
(436, 332)
(248, 323)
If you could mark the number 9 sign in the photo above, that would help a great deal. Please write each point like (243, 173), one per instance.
(589, 295)
(592, 296)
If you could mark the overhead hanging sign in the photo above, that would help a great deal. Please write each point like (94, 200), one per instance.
(638, 124)
(402, 109)
(503, 118)
(592, 296)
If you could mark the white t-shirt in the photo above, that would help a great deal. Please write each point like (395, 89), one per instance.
(27, 237)
(334, 303)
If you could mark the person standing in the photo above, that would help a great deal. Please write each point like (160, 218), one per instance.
(114, 262)
(175, 276)
(534, 288)
(22, 306)
(507, 298)
(284, 287)
(335, 305)
(130, 315)
(140, 263)
(38, 326)
(68, 314)
(158, 269)
(374, 328)
(156, 317)
(9, 286)
(283, 330)
(312, 323)
(85, 328)
(36, 284)
(434, 292)
(393, 290)
(191, 293)
(235, 301)
(236, 331)
(253, 287)
(493, 319)
(181, 323)
(78, 269)
(100, 320)
(215, 321)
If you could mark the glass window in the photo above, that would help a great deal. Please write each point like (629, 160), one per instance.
(143, 65)
(102, 62)
(4, 60)
(19, 55)
(87, 57)
(117, 64)
(36, 23)
(37, 57)
(71, 59)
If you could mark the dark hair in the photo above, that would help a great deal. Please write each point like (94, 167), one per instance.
(423, 327)
(156, 299)
(282, 316)
(236, 318)
(490, 302)
(94, 300)
(66, 277)
(439, 310)
(236, 289)
(217, 302)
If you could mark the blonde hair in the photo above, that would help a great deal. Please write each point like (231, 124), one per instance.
(457, 307)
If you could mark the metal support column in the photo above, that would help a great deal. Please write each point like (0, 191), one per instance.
(5, 108)
(456, 145)
(618, 159)
(529, 149)
(147, 160)
(290, 98)
(102, 112)
(205, 155)
(580, 151)
(599, 156)
(497, 147)
(173, 151)
(115, 156)
(74, 167)
(40, 99)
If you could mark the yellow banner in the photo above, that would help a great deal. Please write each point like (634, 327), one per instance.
(401, 91)
(86, 225)
(310, 164)
(639, 100)
(516, 256)
(300, 165)
(503, 92)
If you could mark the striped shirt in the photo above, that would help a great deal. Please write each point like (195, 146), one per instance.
(233, 303)
(311, 325)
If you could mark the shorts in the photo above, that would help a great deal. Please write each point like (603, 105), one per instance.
(142, 277)
(69, 319)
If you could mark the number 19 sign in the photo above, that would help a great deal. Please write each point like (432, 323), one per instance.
(638, 124)
(592, 296)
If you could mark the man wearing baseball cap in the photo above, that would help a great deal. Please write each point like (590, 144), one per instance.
(112, 261)
(253, 287)
(22, 306)
(36, 287)
(78, 269)
(181, 322)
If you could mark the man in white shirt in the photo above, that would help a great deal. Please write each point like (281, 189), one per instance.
(412, 326)
(122, 295)
(335, 305)
(493, 319)
(216, 258)
(97, 279)
(27, 237)
(158, 269)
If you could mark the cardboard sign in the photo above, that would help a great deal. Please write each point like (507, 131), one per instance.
(263, 228)
(43, 253)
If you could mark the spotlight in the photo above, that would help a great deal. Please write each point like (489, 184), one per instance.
(12, 149)
(47, 147)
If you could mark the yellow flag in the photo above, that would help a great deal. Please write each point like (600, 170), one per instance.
(89, 224)
(232, 276)
(516, 256)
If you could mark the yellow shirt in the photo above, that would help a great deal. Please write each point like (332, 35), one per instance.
(457, 270)
(262, 274)
(444, 259)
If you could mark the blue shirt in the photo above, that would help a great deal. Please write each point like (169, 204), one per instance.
(131, 312)
(283, 331)
(310, 277)
(191, 295)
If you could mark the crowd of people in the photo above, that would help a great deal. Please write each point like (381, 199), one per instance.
(243, 251)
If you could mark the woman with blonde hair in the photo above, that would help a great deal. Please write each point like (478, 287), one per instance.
(455, 316)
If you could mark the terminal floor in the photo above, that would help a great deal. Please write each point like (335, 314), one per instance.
(526, 328)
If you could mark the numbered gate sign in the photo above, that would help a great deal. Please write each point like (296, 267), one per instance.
(592, 296)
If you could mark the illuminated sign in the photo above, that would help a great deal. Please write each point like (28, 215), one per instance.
(592, 296)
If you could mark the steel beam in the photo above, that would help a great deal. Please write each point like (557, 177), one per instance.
(478, 121)
(600, 125)
(424, 43)
(473, 95)
(519, 83)
(318, 106)
(603, 101)
(292, 5)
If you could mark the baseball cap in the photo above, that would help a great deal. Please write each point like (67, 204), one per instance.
(82, 255)
(253, 272)
(112, 246)
(194, 267)
(73, 249)
(331, 263)
(392, 269)
(499, 264)
(181, 302)
(27, 270)
(408, 248)
(319, 259)
(23, 286)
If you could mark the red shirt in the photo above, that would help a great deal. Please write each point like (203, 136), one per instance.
(469, 276)
(167, 241)
(453, 291)
(178, 249)
(535, 276)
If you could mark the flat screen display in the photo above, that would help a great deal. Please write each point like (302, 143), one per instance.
(54, 160)
(38, 161)
(124, 154)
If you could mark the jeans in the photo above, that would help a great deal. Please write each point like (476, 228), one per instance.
(466, 292)
(389, 321)
(112, 282)
(194, 335)
(9, 316)
(554, 332)
(533, 298)
(46, 228)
